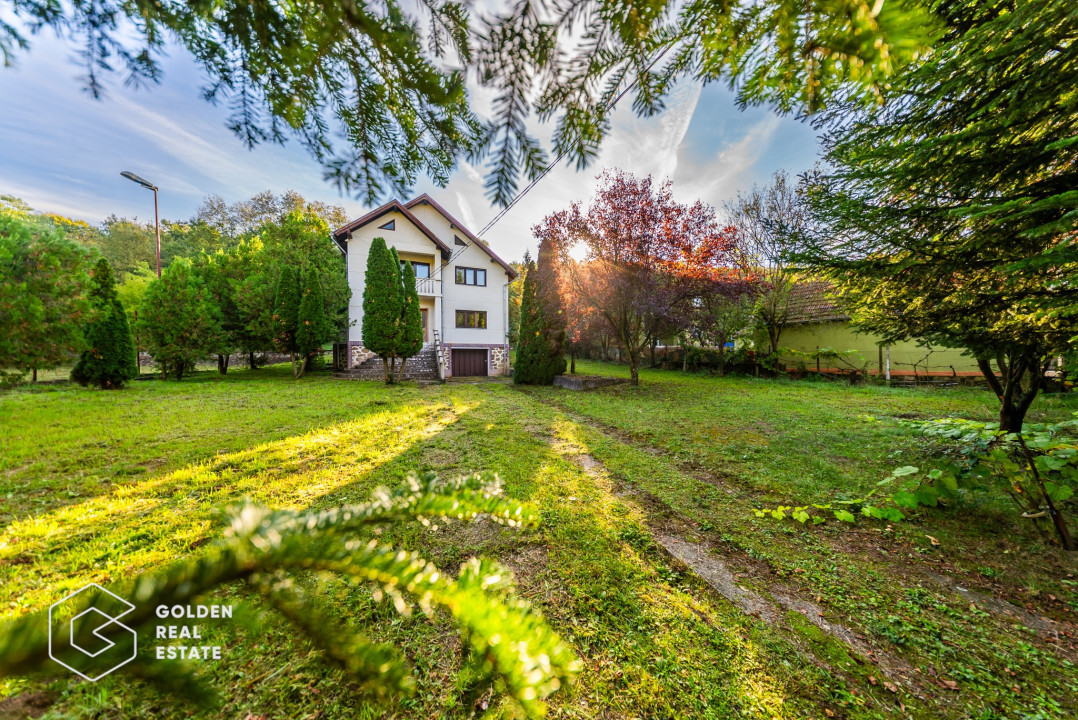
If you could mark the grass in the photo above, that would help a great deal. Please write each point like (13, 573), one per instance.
(98, 486)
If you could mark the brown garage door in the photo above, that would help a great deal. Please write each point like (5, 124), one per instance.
(469, 363)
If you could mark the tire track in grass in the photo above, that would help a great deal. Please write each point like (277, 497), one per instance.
(777, 606)
(979, 650)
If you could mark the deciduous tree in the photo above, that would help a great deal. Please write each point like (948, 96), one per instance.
(768, 221)
(643, 251)
(43, 304)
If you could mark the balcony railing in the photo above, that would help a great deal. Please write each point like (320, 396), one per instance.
(428, 286)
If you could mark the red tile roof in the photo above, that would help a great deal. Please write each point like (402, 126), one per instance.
(811, 302)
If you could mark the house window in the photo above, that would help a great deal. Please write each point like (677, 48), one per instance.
(391, 225)
(472, 319)
(458, 241)
(421, 269)
(471, 276)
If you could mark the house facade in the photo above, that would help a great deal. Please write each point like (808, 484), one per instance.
(463, 286)
(817, 320)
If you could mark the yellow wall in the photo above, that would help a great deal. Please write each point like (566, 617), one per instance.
(840, 336)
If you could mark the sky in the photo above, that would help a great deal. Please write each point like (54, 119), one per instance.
(62, 151)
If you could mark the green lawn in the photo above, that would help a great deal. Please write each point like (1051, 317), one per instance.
(98, 486)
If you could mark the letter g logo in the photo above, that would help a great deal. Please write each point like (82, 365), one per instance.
(81, 644)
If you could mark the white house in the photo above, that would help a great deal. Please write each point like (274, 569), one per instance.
(463, 286)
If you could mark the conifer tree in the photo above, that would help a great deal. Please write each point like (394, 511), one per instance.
(383, 304)
(286, 314)
(179, 320)
(950, 216)
(411, 340)
(109, 360)
(542, 331)
(313, 328)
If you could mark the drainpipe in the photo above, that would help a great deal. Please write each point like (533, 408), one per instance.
(505, 322)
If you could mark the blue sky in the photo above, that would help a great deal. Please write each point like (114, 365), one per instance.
(63, 151)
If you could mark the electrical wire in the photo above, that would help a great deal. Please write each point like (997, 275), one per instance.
(610, 106)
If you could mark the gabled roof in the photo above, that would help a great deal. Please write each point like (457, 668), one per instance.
(811, 302)
(342, 232)
(454, 223)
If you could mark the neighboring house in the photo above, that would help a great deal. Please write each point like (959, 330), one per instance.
(463, 286)
(817, 320)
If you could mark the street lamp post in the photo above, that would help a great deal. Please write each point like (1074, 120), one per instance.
(156, 225)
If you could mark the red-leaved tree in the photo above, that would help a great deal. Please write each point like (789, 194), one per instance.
(644, 256)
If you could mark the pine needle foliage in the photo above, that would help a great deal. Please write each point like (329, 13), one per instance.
(540, 350)
(265, 550)
(179, 320)
(383, 304)
(411, 341)
(109, 360)
(286, 311)
(313, 328)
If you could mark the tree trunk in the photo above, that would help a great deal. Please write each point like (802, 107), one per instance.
(572, 362)
(1013, 398)
(400, 370)
(222, 364)
(722, 360)
(33, 376)
(653, 344)
(292, 357)
(386, 371)
(251, 361)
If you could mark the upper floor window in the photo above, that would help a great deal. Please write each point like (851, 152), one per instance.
(421, 269)
(471, 276)
(472, 319)
(391, 225)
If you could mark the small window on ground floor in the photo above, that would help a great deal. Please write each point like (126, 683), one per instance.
(472, 319)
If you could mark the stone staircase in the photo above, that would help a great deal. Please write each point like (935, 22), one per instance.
(423, 366)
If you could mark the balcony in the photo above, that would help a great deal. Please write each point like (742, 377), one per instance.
(430, 287)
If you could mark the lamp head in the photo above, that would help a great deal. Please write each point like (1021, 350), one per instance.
(141, 181)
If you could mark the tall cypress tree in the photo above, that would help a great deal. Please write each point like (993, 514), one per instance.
(411, 338)
(542, 333)
(383, 303)
(109, 360)
(313, 328)
(286, 314)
